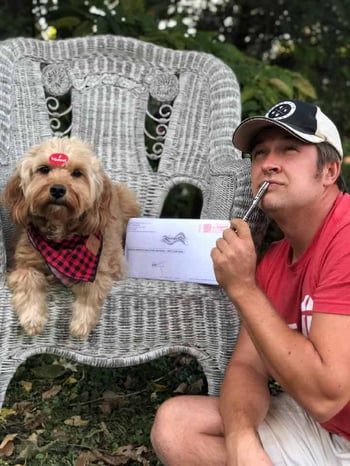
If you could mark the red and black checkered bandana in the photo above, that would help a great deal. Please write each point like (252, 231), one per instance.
(71, 260)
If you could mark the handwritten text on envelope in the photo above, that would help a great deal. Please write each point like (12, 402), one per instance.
(172, 249)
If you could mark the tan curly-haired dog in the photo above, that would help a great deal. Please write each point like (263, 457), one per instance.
(71, 222)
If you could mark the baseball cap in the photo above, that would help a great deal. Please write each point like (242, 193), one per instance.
(303, 120)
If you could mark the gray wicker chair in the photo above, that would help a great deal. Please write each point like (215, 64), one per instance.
(134, 102)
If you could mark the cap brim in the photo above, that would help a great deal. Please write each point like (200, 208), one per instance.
(246, 132)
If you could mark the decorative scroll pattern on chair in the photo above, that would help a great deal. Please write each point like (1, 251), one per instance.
(163, 91)
(57, 84)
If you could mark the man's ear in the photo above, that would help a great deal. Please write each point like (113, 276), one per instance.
(331, 172)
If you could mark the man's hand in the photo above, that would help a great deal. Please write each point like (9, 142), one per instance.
(234, 258)
(246, 451)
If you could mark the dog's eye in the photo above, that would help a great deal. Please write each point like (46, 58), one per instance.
(77, 173)
(44, 169)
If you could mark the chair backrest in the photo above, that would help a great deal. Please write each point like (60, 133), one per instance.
(156, 117)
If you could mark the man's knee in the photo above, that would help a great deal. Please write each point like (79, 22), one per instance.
(186, 430)
(165, 424)
(168, 430)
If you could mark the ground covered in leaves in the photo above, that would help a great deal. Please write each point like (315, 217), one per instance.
(60, 413)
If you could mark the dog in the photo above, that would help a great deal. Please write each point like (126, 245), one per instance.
(70, 224)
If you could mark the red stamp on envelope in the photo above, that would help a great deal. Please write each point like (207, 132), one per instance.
(58, 159)
(207, 228)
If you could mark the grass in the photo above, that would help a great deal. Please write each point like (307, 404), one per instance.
(60, 413)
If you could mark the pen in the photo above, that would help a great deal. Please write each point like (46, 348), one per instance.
(258, 196)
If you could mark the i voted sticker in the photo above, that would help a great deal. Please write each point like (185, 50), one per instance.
(58, 159)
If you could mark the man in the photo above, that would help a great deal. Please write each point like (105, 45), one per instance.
(295, 311)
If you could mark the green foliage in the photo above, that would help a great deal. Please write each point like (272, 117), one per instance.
(183, 201)
(75, 18)
(16, 20)
(311, 38)
(311, 43)
(261, 84)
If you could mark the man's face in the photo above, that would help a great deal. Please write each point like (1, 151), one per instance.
(290, 165)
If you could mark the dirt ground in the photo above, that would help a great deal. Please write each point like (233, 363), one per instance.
(59, 413)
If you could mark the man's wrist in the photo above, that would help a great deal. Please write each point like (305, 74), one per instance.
(240, 293)
(241, 439)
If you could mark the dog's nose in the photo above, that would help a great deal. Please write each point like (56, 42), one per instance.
(57, 191)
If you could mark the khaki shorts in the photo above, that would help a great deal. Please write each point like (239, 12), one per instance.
(292, 438)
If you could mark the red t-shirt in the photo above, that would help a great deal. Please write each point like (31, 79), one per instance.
(318, 282)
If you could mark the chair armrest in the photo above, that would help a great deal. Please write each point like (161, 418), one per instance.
(230, 195)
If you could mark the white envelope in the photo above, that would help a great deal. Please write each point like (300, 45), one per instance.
(172, 249)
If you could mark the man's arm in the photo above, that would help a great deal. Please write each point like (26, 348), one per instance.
(312, 369)
(243, 403)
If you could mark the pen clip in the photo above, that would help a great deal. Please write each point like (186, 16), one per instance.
(258, 196)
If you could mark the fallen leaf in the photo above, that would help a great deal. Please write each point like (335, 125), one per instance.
(27, 386)
(123, 455)
(7, 450)
(34, 421)
(76, 421)
(196, 387)
(52, 392)
(23, 407)
(7, 445)
(6, 439)
(29, 451)
(110, 401)
(134, 453)
(85, 458)
(182, 388)
(160, 387)
(70, 381)
(111, 397)
(6, 412)
(112, 460)
(33, 438)
(49, 371)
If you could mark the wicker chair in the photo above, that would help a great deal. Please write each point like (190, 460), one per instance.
(156, 117)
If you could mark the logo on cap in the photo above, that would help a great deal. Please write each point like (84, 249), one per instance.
(58, 159)
(282, 110)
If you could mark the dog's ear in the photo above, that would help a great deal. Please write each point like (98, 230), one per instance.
(13, 198)
(103, 205)
(128, 202)
(98, 216)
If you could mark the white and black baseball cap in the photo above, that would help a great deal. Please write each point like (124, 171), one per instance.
(303, 120)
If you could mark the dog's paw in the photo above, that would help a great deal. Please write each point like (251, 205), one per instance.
(34, 325)
(84, 319)
(80, 329)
